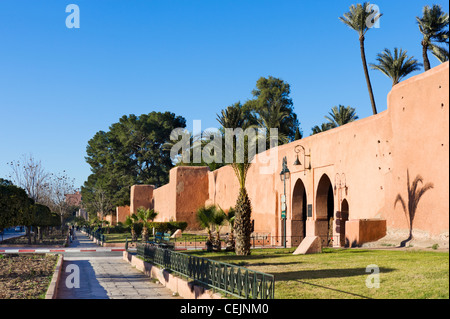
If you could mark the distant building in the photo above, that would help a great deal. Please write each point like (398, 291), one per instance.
(76, 200)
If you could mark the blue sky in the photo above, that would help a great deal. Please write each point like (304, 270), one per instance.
(59, 86)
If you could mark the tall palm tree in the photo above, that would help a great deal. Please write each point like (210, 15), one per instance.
(414, 195)
(432, 25)
(440, 53)
(358, 19)
(243, 226)
(341, 115)
(396, 66)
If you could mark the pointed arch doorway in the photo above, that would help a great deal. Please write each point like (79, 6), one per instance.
(298, 222)
(325, 211)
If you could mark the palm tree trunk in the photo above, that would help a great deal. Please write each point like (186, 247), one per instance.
(366, 73)
(144, 234)
(243, 224)
(426, 62)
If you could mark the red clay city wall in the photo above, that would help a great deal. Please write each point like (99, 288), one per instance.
(141, 196)
(121, 213)
(359, 168)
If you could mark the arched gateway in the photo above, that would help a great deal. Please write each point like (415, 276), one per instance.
(325, 211)
(298, 222)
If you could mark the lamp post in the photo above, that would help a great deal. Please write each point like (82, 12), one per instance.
(284, 175)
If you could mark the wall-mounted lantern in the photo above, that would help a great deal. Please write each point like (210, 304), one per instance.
(297, 161)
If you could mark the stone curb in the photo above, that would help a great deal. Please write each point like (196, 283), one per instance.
(53, 287)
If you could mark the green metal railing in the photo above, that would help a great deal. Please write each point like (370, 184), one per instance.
(230, 279)
(96, 234)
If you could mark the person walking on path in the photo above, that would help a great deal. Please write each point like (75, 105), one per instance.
(71, 234)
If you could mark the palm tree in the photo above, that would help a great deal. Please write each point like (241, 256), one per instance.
(231, 216)
(440, 53)
(132, 221)
(414, 195)
(432, 25)
(341, 115)
(144, 216)
(272, 116)
(357, 19)
(205, 217)
(219, 217)
(234, 116)
(322, 128)
(396, 66)
(242, 222)
(233, 119)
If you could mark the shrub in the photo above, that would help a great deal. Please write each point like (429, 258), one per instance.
(178, 225)
(165, 227)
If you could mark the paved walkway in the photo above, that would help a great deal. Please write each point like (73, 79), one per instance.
(105, 277)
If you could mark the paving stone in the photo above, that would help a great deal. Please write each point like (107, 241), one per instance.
(106, 277)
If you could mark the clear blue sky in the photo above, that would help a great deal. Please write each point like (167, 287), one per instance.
(59, 86)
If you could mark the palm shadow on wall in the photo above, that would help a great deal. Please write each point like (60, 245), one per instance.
(415, 193)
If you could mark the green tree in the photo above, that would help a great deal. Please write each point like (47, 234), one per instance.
(5, 182)
(432, 26)
(359, 19)
(230, 217)
(132, 222)
(322, 128)
(396, 66)
(219, 218)
(42, 217)
(272, 107)
(272, 117)
(236, 115)
(145, 216)
(205, 218)
(132, 152)
(203, 140)
(298, 134)
(440, 53)
(341, 115)
(241, 165)
(243, 209)
(14, 202)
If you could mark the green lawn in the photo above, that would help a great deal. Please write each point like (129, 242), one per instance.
(117, 238)
(120, 238)
(341, 273)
